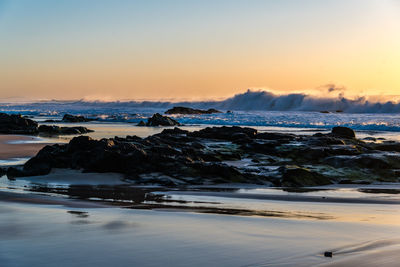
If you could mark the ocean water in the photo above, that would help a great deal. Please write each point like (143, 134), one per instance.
(119, 112)
(117, 118)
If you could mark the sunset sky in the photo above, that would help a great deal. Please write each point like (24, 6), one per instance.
(196, 49)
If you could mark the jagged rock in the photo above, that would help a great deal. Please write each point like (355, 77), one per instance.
(294, 176)
(344, 132)
(141, 123)
(185, 110)
(160, 120)
(17, 124)
(56, 130)
(73, 118)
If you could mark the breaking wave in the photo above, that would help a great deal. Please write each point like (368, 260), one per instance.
(248, 101)
(252, 108)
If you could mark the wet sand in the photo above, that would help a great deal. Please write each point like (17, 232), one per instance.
(28, 198)
(43, 231)
(19, 149)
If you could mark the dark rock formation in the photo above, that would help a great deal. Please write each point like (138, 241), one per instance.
(73, 118)
(185, 110)
(56, 130)
(159, 120)
(225, 133)
(16, 124)
(211, 156)
(344, 132)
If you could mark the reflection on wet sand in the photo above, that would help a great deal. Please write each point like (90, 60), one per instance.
(280, 203)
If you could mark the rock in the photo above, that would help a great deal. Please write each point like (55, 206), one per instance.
(160, 120)
(175, 131)
(56, 130)
(294, 176)
(328, 254)
(348, 181)
(344, 132)
(224, 133)
(141, 123)
(220, 173)
(211, 156)
(366, 161)
(387, 147)
(16, 124)
(275, 136)
(73, 118)
(2, 171)
(324, 140)
(185, 110)
(324, 111)
(133, 138)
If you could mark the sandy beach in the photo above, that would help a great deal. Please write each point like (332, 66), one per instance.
(19, 146)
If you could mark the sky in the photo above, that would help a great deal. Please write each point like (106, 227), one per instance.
(167, 49)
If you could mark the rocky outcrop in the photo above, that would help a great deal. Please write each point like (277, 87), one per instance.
(17, 124)
(215, 155)
(159, 120)
(190, 111)
(73, 118)
(57, 130)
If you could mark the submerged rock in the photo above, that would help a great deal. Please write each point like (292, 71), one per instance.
(17, 124)
(185, 110)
